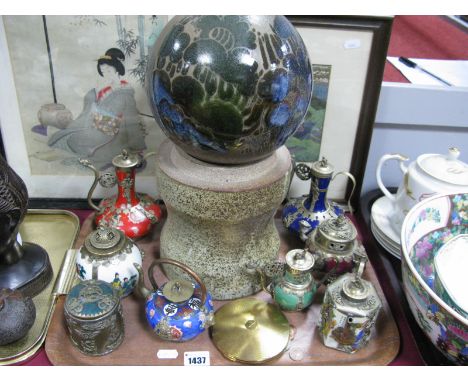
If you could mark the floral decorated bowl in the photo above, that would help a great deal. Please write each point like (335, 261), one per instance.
(428, 226)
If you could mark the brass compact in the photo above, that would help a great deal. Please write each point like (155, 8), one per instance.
(250, 331)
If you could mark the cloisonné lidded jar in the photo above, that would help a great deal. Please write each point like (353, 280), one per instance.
(229, 89)
(179, 310)
(334, 242)
(93, 314)
(349, 311)
(108, 254)
(294, 289)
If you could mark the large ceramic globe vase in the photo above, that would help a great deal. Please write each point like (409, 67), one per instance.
(229, 89)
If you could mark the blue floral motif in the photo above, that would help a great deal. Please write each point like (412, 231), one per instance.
(279, 87)
(426, 215)
(279, 115)
(234, 87)
(460, 209)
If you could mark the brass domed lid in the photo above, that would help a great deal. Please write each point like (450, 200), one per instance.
(178, 290)
(104, 241)
(250, 330)
(126, 160)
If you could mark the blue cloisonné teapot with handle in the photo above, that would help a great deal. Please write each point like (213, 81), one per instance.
(179, 310)
(302, 215)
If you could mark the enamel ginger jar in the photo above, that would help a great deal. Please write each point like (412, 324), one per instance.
(229, 89)
(179, 310)
(108, 255)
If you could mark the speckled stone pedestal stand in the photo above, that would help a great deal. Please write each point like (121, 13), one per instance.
(220, 218)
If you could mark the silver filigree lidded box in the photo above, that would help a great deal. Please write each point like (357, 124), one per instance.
(94, 317)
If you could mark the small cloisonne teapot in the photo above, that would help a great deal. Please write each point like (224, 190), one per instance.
(292, 285)
(179, 310)
(302, 215)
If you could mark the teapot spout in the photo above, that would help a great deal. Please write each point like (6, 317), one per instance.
(140, 289)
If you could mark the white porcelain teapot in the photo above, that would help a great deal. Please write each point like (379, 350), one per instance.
(428, 175)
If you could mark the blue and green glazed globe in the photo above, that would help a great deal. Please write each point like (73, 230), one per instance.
(229, 89)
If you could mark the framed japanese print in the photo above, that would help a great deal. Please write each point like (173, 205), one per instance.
(54, 81)
(348, 56)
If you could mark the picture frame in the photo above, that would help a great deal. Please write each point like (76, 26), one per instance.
(353, 95)
(42, 66)
(356, 48)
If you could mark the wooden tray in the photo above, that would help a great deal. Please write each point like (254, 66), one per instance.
(140, 346)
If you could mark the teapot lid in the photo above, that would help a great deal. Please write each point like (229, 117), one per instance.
(355, 288)
(126, 160)
(446, 168)
(322, 168)
(339, 229)
(178, 290)
(105, 241)
(300, 260)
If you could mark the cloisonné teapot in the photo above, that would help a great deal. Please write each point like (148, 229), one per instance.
(131, 212)
(292, 285)
(302, 215)
(294, 288)
(179, 310)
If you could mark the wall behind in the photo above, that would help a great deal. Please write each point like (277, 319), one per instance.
(414, 120)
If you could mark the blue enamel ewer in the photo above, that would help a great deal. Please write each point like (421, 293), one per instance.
(179, 310)
(303, 214)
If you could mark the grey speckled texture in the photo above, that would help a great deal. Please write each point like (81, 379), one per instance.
(17, 316)
(216, 233)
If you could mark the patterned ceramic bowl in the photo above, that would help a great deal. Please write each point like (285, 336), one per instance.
(428, 226)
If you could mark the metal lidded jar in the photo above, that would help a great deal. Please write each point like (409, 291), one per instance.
(349, 311)
(334, 242)
(93, 314)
